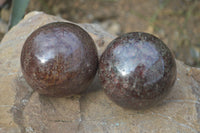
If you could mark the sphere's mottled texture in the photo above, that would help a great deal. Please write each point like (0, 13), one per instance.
(137, 70)
(59, 59)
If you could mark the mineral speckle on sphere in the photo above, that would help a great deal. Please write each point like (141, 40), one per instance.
(59, 59)
(137, 70)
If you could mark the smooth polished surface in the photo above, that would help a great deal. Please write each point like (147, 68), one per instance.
(59, 59)
(137, 70)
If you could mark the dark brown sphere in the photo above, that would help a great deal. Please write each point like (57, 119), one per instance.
(137, 70)
(59, 59)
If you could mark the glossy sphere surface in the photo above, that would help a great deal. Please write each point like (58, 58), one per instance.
(137, 70)
(59, 59)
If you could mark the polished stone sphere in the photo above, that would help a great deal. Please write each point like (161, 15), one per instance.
(59, 59)
(137, 70)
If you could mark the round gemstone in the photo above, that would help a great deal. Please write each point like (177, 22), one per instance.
(137, 70)
(59, 59)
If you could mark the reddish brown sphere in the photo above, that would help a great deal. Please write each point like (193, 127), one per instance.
(137, 70)
(59, 59)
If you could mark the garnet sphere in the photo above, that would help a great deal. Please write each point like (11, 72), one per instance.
(59, 59)
(137, 70)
